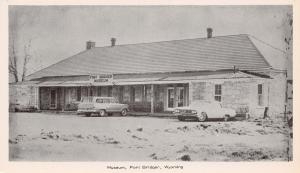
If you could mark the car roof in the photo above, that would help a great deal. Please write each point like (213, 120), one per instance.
(205, 101)
(104, 97)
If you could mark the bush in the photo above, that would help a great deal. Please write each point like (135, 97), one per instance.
(185, 158)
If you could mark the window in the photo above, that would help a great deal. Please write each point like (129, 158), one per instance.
(87, 99)
(260, 94)
(79, 94)
(138, 95)
(99, 101)
(91, 92)
(218, 92)
(109, 91)
(148, 93)
(99, 91)
(132, 92)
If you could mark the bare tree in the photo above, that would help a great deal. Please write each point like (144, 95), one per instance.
(14, 59)
(18, 61)
(26, 59)
(13, 62)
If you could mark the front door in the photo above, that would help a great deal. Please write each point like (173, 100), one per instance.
(180, 96)
(53, 96)
(171, 96)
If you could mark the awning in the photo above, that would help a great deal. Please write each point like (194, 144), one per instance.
(152, 80)
(64, 83)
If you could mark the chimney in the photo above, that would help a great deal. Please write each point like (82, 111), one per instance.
(113, 41)
(90, 45)
(209, 32)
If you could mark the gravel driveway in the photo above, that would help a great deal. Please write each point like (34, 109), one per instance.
(55, 137)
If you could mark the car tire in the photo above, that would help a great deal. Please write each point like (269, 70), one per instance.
(202, 117)
(226, 117)
(101, 113)
(180, 119)
(124, 112)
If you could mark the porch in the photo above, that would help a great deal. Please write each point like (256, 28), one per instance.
(147, 98)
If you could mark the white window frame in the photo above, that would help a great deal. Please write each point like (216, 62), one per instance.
(260, 95)
(218, 95)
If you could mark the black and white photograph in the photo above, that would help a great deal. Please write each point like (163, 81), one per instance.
(174, 83)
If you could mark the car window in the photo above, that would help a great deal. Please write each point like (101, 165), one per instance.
(99, 101)
(105, 101)
(113, 101)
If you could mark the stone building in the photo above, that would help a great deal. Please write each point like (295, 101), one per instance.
(158, 76)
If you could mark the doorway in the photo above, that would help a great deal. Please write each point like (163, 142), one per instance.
(170, 97)
(53, 99)
(180, 96)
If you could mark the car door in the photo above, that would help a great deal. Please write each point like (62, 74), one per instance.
(106, 105)
(217, 111)
(209, 109)
(113, 106)
(98, 103)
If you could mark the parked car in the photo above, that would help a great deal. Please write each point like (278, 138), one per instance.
(101, 106)
(16, 107)
(202, 110)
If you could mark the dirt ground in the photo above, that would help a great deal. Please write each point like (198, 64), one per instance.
(54, 137)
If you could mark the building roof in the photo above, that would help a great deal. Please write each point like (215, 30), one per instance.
(199, 54)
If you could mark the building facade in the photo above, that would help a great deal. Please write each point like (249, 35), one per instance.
(157, 77)
(160, 94)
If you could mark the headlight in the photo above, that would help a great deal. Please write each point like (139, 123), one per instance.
(194, 112)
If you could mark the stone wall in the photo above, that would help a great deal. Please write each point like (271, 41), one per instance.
(23, 94)
(236, 94)
(277, 94)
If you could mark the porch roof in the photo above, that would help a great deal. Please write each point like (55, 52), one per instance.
(151, 80)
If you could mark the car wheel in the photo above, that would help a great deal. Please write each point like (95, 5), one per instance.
(226, 117)
(88, 114)
(180, 119)
(124, 112)
(101, 113)
(202, 117)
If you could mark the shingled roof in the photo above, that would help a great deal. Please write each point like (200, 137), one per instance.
(199, 54)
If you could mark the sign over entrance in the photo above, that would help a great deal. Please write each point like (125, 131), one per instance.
(101, 78)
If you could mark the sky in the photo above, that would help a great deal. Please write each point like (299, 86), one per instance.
(58, 32)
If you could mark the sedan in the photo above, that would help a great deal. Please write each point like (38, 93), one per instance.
(202, 110)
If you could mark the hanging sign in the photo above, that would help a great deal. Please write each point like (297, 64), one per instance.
(101, 78)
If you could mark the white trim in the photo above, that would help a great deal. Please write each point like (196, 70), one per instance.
(177, 95)
(168, 108)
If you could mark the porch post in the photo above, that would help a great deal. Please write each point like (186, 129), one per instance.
(190, 99)
(152, 98)
(144, 93)
(37, 97)
(64, 98)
